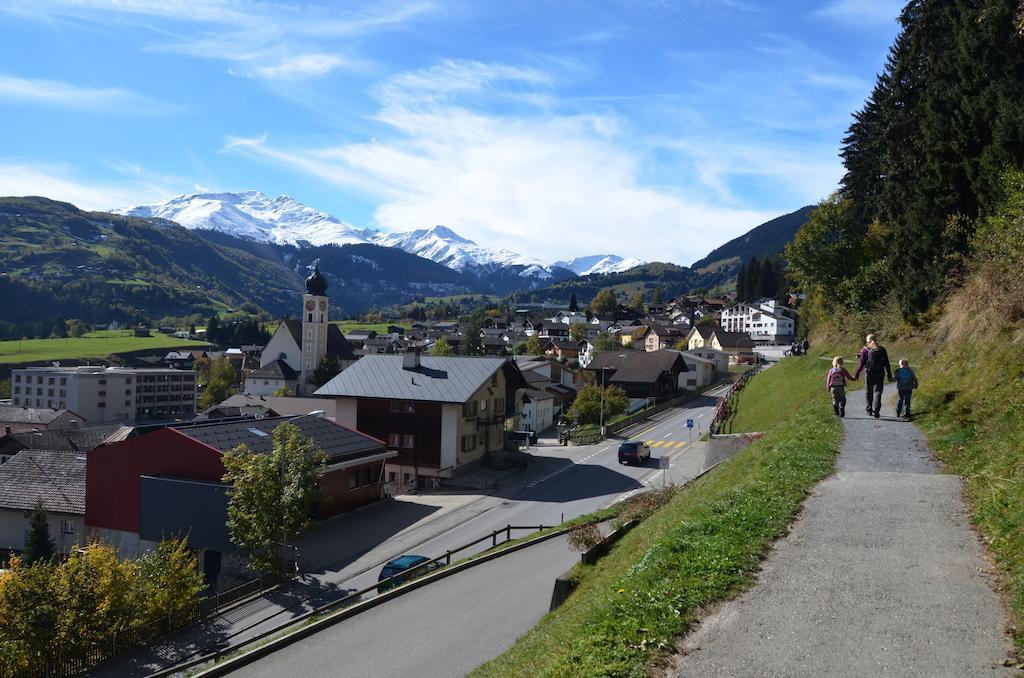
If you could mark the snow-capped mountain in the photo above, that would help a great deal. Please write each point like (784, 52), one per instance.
(285, 221)
(445, 246)
(599, 263)
(254, 216)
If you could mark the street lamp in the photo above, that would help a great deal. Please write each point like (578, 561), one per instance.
(603, 386)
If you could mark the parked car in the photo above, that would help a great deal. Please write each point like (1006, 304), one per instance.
(634, 452)
(408, 566)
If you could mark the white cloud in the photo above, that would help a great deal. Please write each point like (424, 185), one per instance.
(268, 40)
(304, 66)
(58, 182)
(548, 186)
(862, 13)
(66, 95)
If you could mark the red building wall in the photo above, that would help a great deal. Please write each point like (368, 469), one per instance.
(112, 472)
(336, 495)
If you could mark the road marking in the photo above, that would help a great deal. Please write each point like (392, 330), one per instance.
(682, 444)
(657, 443)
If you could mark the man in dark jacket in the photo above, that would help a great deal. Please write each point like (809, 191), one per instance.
(875, 362)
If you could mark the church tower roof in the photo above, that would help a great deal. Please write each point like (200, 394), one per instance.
(316, 283)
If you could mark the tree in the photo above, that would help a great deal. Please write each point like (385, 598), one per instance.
(637, 301)
(283, 392)
(656, 296)
(573, 304)
(271, 494)
(606, 341)
(328, 368)
(577, 331)
(98, 595)
(587, 406)
(531, 346)
(471, 340)
(213, 330)
(29, 614)
(604, 303)
(169, 579)
(767, 284)
(39, 545)
(219, 385)
(741, 283)
(442, 348)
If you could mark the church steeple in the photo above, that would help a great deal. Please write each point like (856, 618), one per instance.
(316, 283)
(314, 324)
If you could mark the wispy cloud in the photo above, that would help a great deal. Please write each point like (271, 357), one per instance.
(67, 95)
(264, 39)
(62, 182)
(545, 185)
(862, 13)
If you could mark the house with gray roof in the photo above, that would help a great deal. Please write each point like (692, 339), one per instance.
(14, 418)
(439, 413)
(54, 478)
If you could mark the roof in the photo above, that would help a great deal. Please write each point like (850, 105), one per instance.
(690, 357)
(57, 477)
(280, 405)
(535, 377)
(337, 345)
(638, 366)
(437, 379)
(295, 327)
(734, 339)
(30, 415)
(705, 330)
(563, 344)
(68, 439)
(256, 434)
(537, 394)
(278, 369)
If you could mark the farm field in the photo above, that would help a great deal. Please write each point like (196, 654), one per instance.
(93, 345)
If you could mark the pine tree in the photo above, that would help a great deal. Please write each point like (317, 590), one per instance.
(741, 282)
(573, 304)
(767, 284)
(39, 545)
(753, 278)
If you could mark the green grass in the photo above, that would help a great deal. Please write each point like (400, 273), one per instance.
(90, 346)
(347, 326)
(971, 408)
(703, 546)
(771, 397)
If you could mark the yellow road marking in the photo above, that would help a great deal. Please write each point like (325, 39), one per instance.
(658, 443)
(678, 445)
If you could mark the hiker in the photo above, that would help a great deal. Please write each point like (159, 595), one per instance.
(806, 346)
(835, 383)
(906, 382)
(875, 362)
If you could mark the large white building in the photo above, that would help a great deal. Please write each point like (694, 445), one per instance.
(765, 321)
(103, 395)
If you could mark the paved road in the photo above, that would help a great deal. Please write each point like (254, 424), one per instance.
(881, 575)
(445, 629)
(348, 553)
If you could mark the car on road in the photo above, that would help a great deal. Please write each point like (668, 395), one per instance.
(634, 452)
(408, 566)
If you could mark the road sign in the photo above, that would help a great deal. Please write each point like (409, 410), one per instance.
(665, 461)
(689, 423)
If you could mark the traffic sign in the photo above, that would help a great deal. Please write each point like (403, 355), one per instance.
(689, 423)
(664, 462)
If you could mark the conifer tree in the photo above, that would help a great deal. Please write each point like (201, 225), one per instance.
(39, 545)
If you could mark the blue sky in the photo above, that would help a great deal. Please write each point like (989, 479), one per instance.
(657, 129)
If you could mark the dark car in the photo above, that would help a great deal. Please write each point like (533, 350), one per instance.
(634, 452)
(408, 566)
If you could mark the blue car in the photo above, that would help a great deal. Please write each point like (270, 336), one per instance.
(409, 566)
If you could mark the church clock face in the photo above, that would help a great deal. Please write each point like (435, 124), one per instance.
(310, 305)
(323, 305)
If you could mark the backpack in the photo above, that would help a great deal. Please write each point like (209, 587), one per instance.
(837, 377)
(904, 379)
(874, 359)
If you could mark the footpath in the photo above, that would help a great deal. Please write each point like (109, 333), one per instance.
(880, 575)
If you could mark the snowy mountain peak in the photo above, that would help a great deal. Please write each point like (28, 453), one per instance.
(445, 246)
(599, 263)
(254, 216)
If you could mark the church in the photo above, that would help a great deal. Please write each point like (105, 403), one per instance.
(293, 353)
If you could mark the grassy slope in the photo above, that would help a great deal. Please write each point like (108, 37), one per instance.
(31, 350)
(703, 546)
(971, 408)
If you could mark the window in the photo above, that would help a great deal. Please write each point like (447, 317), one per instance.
(365, 477)
(103, 381)
(394, 440)
(469, 409)
(17, 379)
(394, 406)
(127, 403)
(49, 380)
(469, 442)
(392, 476)
(67, 526)
(499, 405)
(494, 379)
(99, 393)
(408, 440)
(101, 404)
(353, 480)
(410, 408)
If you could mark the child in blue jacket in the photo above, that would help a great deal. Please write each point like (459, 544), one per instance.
(906, 382)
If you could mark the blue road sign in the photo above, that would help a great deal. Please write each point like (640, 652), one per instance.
(689, 423)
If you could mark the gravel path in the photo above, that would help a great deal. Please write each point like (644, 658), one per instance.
(880, 575)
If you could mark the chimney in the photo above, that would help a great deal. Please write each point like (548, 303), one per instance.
(411, 358)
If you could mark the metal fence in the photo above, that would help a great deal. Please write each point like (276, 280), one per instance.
(724, 409)
(61, 663)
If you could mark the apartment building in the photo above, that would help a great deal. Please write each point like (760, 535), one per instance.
(104, 395)
(766, 321)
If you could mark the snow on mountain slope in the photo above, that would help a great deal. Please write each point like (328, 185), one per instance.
(445, 246)
(599, 263)
(254, 216)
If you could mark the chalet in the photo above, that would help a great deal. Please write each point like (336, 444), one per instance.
(145, 484)
(553, 330)
(633, 334)
(661, 336)
(719, 358)
(699, 371)
(641, 374)
(495, 346)
(53, 478)
(379, 345)
(359, 337)
(438, 413)
(563, 349)
(700, 335)
(446, 326)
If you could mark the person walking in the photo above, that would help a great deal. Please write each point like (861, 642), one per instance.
(874, 361)
(906, 382)
(835, 382)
